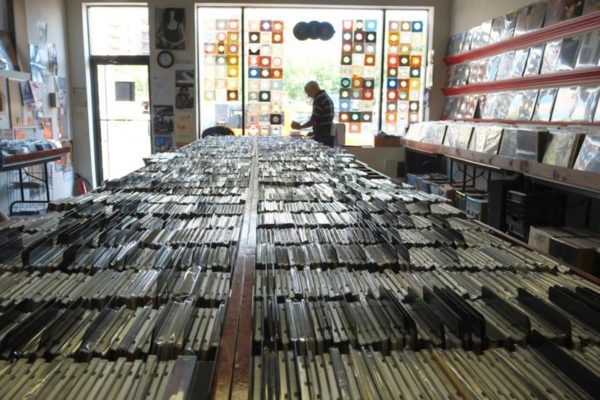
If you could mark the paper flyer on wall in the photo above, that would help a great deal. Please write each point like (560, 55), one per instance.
(184, 87)
(185, 130)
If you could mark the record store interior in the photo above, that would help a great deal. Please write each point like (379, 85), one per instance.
(322, 199)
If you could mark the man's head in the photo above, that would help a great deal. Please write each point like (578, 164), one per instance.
(311, 88)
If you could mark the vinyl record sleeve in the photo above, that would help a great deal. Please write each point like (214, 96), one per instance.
(497, 28)
(503, 100)
(519, 63)
(465, 45)
(433, 132)
(415, 132)
(486, 139)
(510, 22)
(554, 11)
(460, 75)
(545, 104)
(589, 52)
(508, 145)
(589, 155)
(561, 148)
(590, 6)
(477, 69)
(515, 105)
(481, 35)
(522, 104)
(572, 9)
(530, 144)
(493, 64)
(531, 17)
(587, 101)
(528, 105)
(450, 106)
(567, 57)
(534, 60)
(566, 100)
(454, 44)
(458, 136)
(551, 52)
(506, 65)
(486, 105)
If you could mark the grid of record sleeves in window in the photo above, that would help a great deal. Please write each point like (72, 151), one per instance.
(405, 53)
(265, 77)
(222, 60)
(357, 75)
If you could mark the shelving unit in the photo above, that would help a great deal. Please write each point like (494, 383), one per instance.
(562, 29)
(581, 180)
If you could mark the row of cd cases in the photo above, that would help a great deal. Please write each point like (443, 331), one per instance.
(567, 147)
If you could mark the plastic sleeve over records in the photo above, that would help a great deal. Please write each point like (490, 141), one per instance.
(545, 104)
(561, 147)
(567, 57)
(589, 52)
(588, 158)
(551, 52)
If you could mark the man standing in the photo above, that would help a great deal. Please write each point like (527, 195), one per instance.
(321, 119)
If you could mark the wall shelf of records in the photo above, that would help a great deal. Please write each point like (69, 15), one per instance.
(533, 24)
(565, 155)
(538, 64)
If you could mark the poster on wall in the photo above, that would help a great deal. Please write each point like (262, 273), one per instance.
(52, 59)
(4, 116)
(184, 88)
(42, 29)
(26, 93)
(163, 143)
(170, 28)
(184, 129)
(47, 128)
(162, 120)
(8, 53)
(63, 110)
(38, 60)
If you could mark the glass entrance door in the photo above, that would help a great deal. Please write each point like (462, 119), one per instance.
(122, 115)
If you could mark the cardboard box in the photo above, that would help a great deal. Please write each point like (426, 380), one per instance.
(539, 237)
(579, 252)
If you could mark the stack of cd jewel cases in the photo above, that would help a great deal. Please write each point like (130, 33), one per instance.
(365, 289)
(121, 292)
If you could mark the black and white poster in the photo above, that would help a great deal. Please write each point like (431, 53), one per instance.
(170, 28)
(162, 120)
(184, 88)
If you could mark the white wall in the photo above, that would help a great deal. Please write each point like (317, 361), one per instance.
(466, 14)
(81, 114)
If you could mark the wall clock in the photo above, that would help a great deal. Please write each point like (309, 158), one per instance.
(165, 59)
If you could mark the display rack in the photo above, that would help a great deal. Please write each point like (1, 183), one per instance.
(563, 78)
(582, 180)
(20, 161)
(562, 29)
